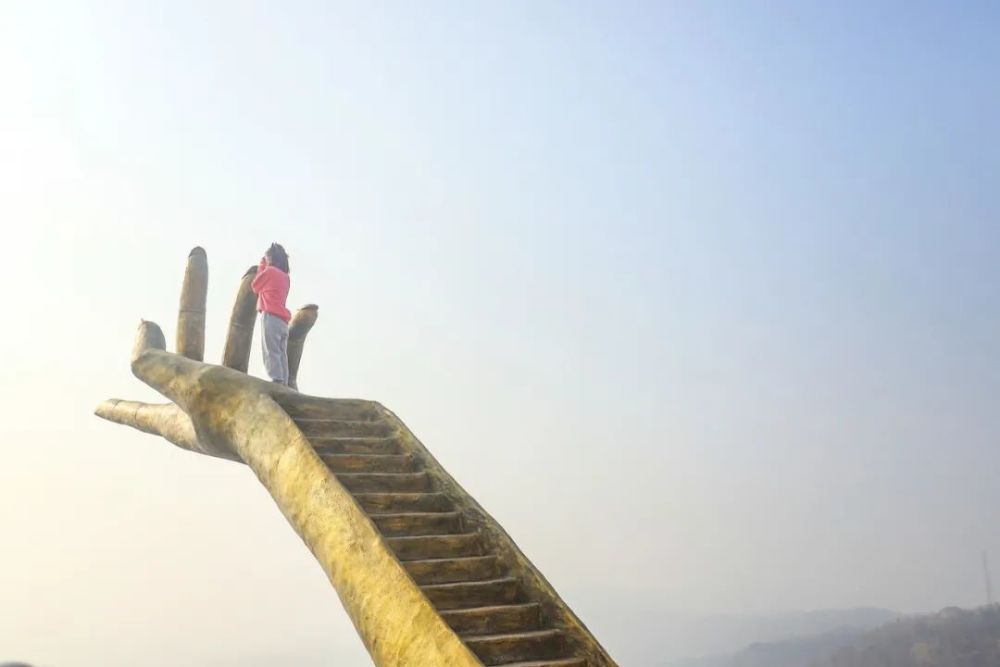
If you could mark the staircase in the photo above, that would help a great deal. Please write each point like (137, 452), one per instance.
(481, 585)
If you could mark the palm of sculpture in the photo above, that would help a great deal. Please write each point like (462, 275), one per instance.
(426, 575)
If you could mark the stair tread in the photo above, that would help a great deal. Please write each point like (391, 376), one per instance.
(453, 568)
(387, 482)
(403, 501)
(422, 473)
(492, 607)
(558, 662)
(373, 460)
(329, 445)
(368, 463)
(418, 473)
(353, 438)
(436, 546)
(333, 455)
(315, 420)
(353, 462)
(383, 515)
(493, 618)
(433, 537)
(417, 524)
(313, 427)
(411, 494)
(423, 547)
(453, 558)
(471, 584)
(527, 634)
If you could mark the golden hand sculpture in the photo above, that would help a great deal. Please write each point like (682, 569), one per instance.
(426, 575)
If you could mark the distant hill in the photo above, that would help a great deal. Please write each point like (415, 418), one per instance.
(680, 635)
(797, 652)
(632, 619)
(951, 638)
(790, 634)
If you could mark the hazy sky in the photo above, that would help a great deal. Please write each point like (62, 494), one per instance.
(700, 300)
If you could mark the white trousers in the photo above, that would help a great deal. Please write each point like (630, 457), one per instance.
(274, 339)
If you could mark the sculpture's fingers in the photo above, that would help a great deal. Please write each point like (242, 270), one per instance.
(303, 321)
(167, 373)
(236, 354)
(148, 337)
(191, 315)
(165, 420)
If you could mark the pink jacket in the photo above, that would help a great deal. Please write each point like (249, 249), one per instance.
(271, 286)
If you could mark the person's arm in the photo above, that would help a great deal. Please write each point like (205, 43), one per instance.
(261, 278)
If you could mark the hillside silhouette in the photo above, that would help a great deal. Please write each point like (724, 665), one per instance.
(951, 638)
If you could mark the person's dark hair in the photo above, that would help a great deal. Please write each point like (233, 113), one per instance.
(277, 257)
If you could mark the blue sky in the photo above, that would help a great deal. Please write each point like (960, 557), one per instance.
(699, 300)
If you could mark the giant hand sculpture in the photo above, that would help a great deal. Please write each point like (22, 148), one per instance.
(426, 575)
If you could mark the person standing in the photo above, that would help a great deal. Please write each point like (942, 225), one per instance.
(271, 285)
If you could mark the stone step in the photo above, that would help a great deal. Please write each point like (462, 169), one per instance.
(436, 546)
(468, 594)
(308, 407)
(389, 482)
(383, 503)
(418, 523)
(343, 427)
(495, 620)
(368, 462)
(535, 645)
(356, 445)
(450, 570)
(558, 662)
